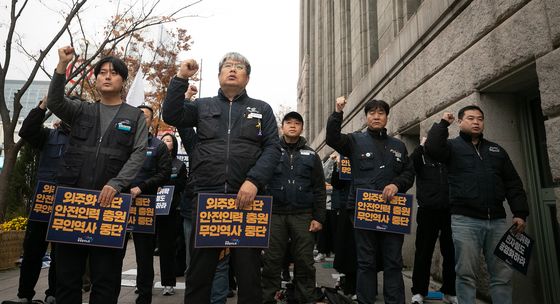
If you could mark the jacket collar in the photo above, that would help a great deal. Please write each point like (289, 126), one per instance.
(242, 94)
(299, 144)
(382, 134)
(468, 137)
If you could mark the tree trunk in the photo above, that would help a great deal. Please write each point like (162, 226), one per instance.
(10, 157)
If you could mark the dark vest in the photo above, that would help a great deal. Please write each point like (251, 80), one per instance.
(373, 169)
(291, 185)
(149, 168)
(51, 154)
(91, 158)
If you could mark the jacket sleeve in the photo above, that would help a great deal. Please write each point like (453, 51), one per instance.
(181, 181)
(32, 130)
(163, 171)
(335, 139)
(417, 159)
(261, 173)
(436, 145)
(65, 108)
(515, 194)
(175, 111)
(319, 192)
(405, 180)
(188, 139)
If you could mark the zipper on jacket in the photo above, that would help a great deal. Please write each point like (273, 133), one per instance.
(227, 146)
(477, 151)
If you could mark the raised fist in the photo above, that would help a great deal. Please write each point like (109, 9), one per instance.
(340, 103)
(187, 69)
(65, 54)
(448, 117)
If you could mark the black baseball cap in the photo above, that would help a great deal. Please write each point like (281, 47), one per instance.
(294, 115)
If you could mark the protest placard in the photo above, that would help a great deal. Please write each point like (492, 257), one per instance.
(143, 214)
(77, 218)
(372, 212)
(43, 200)
(220, 223)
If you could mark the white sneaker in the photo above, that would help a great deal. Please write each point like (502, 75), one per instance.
(417, 299)
(168, 290)
(450, 299)
(320, 258)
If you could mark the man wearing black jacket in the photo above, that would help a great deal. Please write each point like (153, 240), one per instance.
(379, 162)
(299, 194)
(236, 152)
(51, 143)
(433, 219)
(481, 175)
(155, 173)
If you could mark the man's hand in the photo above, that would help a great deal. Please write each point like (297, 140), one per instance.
(519, 225)
(448, 117)
(191, 91)
(135, 192)
(106, 196)
(315, 226)
(246, 195)
(187, 68)
(65, 55)
(340, 103)
(389, 191)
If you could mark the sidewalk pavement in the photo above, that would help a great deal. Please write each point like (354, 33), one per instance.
(326, 276)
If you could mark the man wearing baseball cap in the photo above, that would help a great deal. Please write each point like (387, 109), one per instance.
(298, 211)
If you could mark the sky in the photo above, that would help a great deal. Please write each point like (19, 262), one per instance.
(266, 32)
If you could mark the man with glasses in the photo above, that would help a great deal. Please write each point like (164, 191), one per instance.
(237, 151)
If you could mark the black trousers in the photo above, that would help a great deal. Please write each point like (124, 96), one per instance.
(144, 249)
(326, 236)
(431, 224)
(105, 272)
(34, 248)
(166, 231)
(200, 274)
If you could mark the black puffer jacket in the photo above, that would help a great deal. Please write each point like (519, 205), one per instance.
(480, 177)
(237, 140)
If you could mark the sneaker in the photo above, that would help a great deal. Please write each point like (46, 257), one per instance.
(450, 299)
(320, 257)
(168, 290)
(50, 300)
(417, 299)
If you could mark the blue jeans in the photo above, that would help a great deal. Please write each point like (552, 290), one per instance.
(470, 237)
(390, 245)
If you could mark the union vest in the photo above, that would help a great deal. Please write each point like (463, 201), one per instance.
(91, 158)
(373, 169)
(51, 154)
(291, 185)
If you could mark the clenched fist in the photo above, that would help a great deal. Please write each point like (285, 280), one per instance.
(448, 117)
(340, 103)
(187, 68)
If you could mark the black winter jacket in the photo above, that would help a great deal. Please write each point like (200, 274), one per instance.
(236, 141)
(480, 178)
(377, 159)
(432, 188)
(298, 184)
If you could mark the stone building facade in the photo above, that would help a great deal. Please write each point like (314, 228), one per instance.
(425, 57)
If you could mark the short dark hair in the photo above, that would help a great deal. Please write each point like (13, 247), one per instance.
(293, 115)
(375, 104)
(468, 108)
(236, 57)
(118, 65)
(146, 107)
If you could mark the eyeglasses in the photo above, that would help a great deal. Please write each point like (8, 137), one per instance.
(236, 66)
